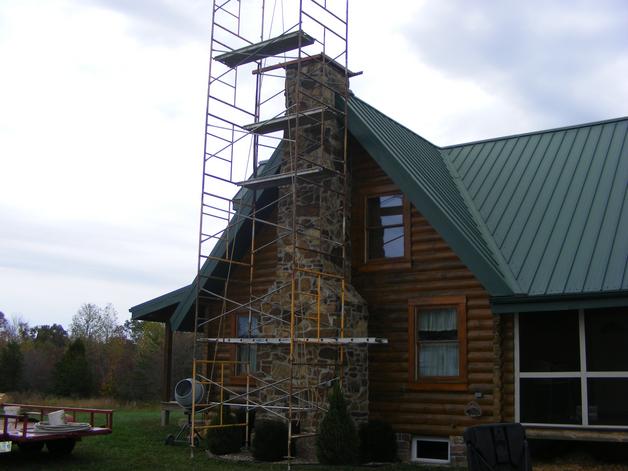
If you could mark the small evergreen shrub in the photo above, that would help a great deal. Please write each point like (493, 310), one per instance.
(377, 442)
(224, 440)
(270, 442)
(337, 441)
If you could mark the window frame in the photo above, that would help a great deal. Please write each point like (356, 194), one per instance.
(583, 375)
(444, 383)
(237, 378)
(415, 449)
(368, 264)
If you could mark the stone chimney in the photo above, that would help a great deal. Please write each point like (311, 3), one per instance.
(320, 200)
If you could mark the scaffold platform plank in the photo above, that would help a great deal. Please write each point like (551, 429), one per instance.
(262, 50)
(281, 179)
(286, 340)
(282, 123)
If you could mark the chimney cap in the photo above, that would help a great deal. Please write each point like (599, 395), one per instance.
(321, 57)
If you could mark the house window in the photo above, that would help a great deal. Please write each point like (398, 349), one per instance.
(431, 450)
(572, 367)
(437, 336)
(385, 231)
(246, 353)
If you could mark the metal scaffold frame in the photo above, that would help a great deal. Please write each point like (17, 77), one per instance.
(248, 122)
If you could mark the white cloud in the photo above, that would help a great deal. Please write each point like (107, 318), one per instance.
(102, 112)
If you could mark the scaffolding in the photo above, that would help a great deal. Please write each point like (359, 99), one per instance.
(275, 153)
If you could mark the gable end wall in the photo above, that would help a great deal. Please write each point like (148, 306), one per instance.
(434, 270)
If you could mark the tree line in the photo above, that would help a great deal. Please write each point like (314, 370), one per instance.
(97, 356)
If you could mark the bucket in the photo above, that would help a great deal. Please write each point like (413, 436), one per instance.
(57, 417)
(183, 393)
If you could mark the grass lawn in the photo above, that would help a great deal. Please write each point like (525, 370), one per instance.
(136, 444)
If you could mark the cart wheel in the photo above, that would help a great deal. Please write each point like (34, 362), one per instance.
(30, 447)
(169, 440)
(61, 447)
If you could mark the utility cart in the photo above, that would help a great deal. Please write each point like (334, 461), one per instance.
(25, 425)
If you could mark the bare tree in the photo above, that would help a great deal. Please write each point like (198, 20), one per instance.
(93, 323)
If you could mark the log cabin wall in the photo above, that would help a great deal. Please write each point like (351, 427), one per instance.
(433, 269)
(264, 277)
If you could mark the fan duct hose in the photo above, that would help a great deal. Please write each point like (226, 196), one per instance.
(183, 392)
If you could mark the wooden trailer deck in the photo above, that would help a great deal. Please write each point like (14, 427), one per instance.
(22, 428)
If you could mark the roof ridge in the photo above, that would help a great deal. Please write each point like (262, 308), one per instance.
(484, 232)
(534, 133)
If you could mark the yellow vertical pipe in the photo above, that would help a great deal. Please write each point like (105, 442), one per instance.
(222, 388)
(292, 314)
(318, 309)
(342, 326)
(192, 434)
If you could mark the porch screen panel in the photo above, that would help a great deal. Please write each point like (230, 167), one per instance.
(607, 339)
(573, 367)
(608, 401)
(551, 401)
(549, 341)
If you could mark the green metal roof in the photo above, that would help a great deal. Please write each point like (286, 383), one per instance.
(159, 309)
(555, 203)
(540, 218)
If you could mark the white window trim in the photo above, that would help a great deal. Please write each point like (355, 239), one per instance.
(429, 460)
(583, 375)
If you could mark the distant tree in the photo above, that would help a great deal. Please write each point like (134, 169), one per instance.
(72, 373)
(11, 363)
(53, 334)
(133, 330)
(15, 329)
(42, 350)
(121, 355)
(4, 325)
(96, 326)
(87, 323)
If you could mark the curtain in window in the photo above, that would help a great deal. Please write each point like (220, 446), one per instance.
(438, 342)
(438, 320)
(438, 360)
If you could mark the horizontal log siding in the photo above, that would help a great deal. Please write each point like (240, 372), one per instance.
(264, 276)
(434, 271)
(508, 367)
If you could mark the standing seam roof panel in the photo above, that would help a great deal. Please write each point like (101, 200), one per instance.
(510, 187)
(522, 188)
(544, 218)
(530, 199)
(575, 235)
(599, 204)
(557, 204)
(560, 236)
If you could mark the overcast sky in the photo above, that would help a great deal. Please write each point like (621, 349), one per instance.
(102, 117)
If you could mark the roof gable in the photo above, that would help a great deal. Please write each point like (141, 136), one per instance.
(425, 176)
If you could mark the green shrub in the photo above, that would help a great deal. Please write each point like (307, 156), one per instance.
(377, 442)
(224, 440)
(270, 442)
(337, 441)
